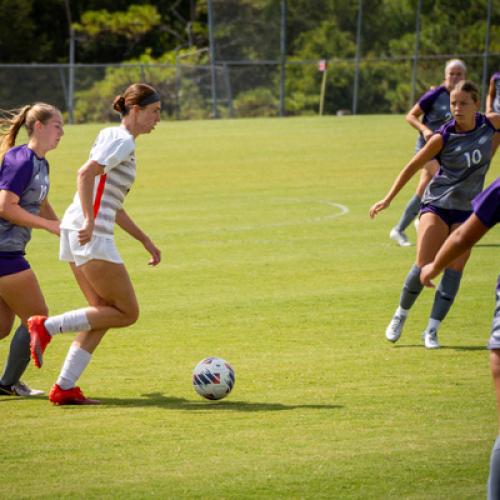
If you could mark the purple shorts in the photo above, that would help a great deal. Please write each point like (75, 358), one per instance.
(12, 263)
(449, 217)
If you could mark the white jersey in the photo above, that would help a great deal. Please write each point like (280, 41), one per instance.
(114, 149)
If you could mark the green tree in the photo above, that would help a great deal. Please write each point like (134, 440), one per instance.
(119, 32)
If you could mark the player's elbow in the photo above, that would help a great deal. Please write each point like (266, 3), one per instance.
(89, 171)
(84, 175)
(5, 210)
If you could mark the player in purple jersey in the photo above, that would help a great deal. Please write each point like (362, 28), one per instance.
(464, 149)
(24, 184)
(486, 214)
(430, 112)
(493, 97)
(87, 243)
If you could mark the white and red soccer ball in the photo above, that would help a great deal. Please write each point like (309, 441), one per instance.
(213, 378)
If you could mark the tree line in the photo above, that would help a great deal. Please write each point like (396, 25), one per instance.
(173, 31)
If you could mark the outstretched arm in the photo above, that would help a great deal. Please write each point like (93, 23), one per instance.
(129, 226)
(427, 153)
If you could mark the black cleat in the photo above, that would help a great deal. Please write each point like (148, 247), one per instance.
(7, 390)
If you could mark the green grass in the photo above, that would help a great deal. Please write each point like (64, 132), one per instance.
(261, 267)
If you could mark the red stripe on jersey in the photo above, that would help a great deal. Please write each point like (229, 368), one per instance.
(98, 196)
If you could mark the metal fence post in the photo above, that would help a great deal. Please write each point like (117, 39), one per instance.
(485, 55)
(229, 91)
(358, 54)
(415, 56)
(283, 57)
(71, 77)
(71, 69)
(177, 86)
(215, 112)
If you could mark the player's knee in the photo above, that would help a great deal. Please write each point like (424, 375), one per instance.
(132, 315)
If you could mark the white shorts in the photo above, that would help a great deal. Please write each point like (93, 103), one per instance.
(99, 248)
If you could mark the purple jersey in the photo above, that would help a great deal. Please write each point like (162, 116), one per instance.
(464, 161)
(27, 176)
(486, 205)
(435, 104)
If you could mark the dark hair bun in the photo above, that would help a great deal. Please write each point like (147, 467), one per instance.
(119, 105)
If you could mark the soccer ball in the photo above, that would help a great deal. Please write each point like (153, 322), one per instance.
(213, 378)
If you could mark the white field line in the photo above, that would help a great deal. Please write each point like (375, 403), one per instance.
(339, 211)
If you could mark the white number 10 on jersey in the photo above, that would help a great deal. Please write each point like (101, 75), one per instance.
(474, 158)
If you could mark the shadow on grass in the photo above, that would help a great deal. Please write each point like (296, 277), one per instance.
(4, 398)
(444, 347)
(159, 400)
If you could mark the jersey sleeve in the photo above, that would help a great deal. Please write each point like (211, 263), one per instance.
(426, 101)
(445, 130)
(111, 151)
(486, 205)
(15, 173)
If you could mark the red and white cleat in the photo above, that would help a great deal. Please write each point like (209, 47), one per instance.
(73, 396)
(39, 338)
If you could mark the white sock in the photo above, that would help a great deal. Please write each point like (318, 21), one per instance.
(76, 361)
(433, 323)
(72, 321)
(402, 312)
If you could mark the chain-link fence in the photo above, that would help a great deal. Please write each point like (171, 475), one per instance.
(245, 71)
(243, 88)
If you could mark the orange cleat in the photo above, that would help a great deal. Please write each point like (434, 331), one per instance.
(73, 396)
(39, 338)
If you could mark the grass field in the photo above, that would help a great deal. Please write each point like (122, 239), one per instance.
(271, 262)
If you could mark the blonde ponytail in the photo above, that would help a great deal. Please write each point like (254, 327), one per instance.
(11, 122)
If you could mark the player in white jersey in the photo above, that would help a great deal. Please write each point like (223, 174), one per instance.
(87, 243)
(430, 112)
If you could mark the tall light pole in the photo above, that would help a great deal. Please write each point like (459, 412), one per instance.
(415, 56)
(485, 56)
(71, 73)
(358, 55)
(215, 111)
(283, 56)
